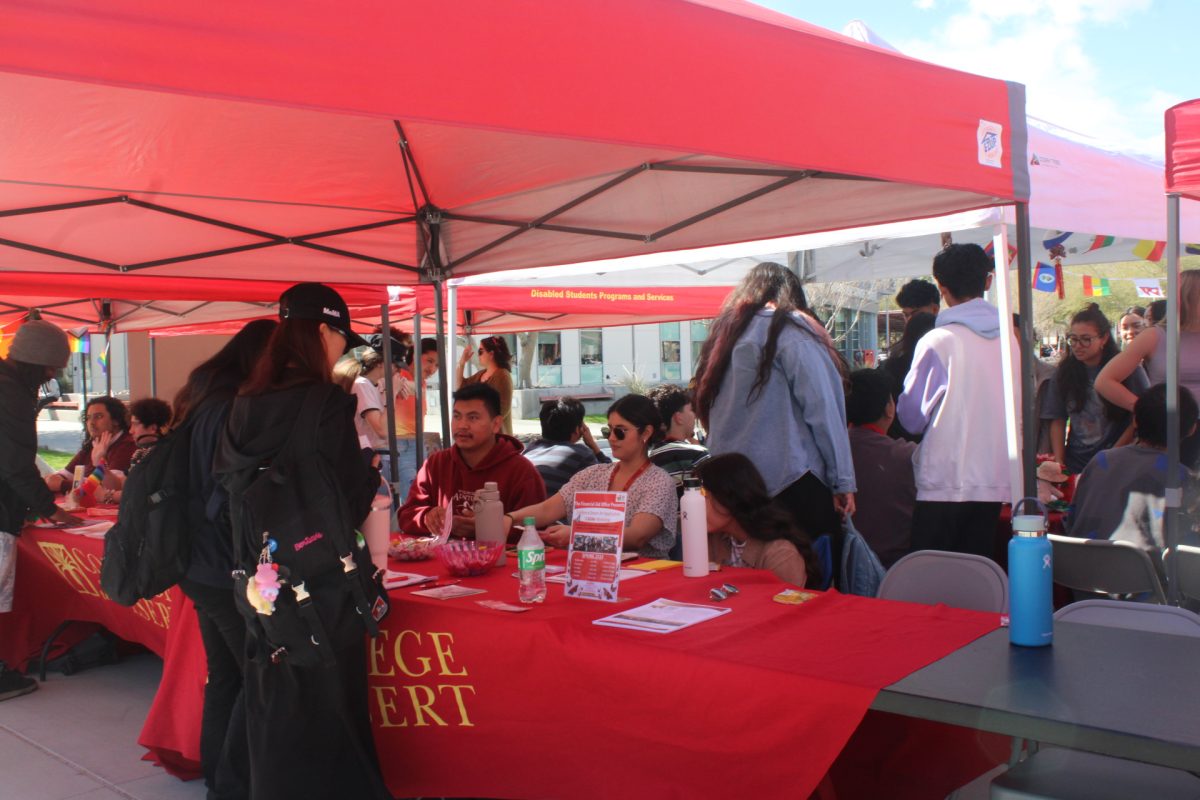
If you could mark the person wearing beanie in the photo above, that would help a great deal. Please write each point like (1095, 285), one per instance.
(38, 351)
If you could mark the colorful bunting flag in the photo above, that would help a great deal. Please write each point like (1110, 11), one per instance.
(1149, 250)
(1095, 287)
(1192, 249)
(990, 249)
(1101, 241)
(1044, 279)
(1055, 238)
(79, 344)
(103, 357)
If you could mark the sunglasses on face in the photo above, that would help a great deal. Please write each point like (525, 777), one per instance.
(619, 432)
(1081, 341)
(481, 350)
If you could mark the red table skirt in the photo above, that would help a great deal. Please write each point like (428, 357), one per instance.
(469, 701)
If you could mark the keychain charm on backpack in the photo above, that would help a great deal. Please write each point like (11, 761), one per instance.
(264, 588)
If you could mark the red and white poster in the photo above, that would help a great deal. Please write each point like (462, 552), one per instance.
(597, 533)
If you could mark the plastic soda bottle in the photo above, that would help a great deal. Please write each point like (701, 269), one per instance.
(531, 557)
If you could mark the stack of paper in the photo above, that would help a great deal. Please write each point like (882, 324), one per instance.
(662, 616)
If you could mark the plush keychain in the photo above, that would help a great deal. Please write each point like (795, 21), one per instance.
(262, 591)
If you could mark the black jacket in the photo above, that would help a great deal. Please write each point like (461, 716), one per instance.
(21, 486)
(260, 425)
(211, 560)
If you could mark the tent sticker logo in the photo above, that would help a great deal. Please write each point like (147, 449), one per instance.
(991, 151)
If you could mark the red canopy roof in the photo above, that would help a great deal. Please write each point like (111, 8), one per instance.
(1183, 149)
(324, 141)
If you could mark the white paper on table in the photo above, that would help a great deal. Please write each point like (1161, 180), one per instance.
(96, 530)
(626, 574)
(447, 525)
(398, 580)
(662, 616)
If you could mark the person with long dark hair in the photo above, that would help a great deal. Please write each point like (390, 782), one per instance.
(770, 385)
(899, 361)
(203, 404)
(106, 442)
(308, 727)
(496, 362)
(652, 506)
(1095, 424)
(747, 528)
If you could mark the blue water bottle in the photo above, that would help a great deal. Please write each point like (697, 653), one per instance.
(1030, 580)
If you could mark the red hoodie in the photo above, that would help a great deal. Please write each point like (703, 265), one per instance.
(445, 475)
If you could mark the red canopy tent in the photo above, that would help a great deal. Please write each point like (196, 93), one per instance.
(1183, 181)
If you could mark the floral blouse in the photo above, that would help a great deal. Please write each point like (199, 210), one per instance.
(652, 493)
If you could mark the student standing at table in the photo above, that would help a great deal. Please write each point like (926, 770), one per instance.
(1095, 425)
(204, 401)
(107, 443)
(770, 385)
(497, 363)
(309, 728)
(652, 508)
(38, 350)
(747, 529)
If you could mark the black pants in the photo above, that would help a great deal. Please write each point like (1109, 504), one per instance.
(968, 527)
(811, 504)
(224, 755)
(309, 727)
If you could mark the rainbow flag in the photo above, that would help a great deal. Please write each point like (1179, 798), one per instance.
(103, 357)
(1101, 241)
(80, 344)
(1149, 250)
(1095, 287)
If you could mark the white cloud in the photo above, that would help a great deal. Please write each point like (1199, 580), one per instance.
(924, 5)
(1043, 44)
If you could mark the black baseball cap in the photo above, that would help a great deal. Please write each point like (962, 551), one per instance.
(318, 302)
(400, 350)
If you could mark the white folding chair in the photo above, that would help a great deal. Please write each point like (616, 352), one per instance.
(1105, 567)
(961, 580)
(1057, 773)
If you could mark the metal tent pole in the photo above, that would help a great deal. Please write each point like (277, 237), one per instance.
(419, 389)
(153, 369)
(389, 387)
(443, 356)
(1174, 491)
(1028, 378)
(1008, 362)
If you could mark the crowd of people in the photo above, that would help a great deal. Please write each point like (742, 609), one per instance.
(793, 450)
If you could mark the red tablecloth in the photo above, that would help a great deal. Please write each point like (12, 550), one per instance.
(468, 701)
(58, 578)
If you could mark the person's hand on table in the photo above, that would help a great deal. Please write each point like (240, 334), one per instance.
(557, 535)
(844, 504)
(66, 518)
(55, 482)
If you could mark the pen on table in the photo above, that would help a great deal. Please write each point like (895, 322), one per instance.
(436, 584)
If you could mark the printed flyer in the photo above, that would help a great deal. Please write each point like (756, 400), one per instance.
(597, 533)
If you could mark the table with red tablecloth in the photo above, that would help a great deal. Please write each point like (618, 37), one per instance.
(470, 701)
(58, 578)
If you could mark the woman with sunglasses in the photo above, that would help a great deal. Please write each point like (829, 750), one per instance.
(497, 365)
(1071, 397)
(652, 506)
(747, 529)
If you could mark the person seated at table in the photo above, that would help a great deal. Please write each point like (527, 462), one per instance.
(883, 467)
(1120, 495)
(107, 442)
(651, 508)
(481, 453)
(566, 445)
(148, 420)
(747, 529)
(678, 450)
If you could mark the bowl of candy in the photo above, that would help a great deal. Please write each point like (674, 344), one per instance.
(411, 548)
(463, 557)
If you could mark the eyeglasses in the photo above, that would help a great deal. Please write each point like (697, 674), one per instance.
(481, 351)
(1082, 341)
(618, 431)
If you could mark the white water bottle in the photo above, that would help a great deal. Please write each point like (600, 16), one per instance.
(531, 557)
(693, 515)
(489, 518)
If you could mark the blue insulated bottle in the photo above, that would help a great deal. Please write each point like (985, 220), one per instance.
(1030, 580)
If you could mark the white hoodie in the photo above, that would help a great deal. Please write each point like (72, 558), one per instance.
(954, 394)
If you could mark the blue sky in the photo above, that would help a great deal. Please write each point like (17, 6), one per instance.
(1103, 68)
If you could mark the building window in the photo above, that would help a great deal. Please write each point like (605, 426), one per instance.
(591, 357)
(699, 333)
(668, 342)
(848, 335)
(549, 359)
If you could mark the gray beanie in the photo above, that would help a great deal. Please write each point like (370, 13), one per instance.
(40, 342)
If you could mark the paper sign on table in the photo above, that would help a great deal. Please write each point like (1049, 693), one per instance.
(626, 574)
(662, 616)
(449, 592)
(594, 558)
(398, 580)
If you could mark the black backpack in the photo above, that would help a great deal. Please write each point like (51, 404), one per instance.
(292, 515)
(146, 552)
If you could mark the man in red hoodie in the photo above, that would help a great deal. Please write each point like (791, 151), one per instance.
(480, 454)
